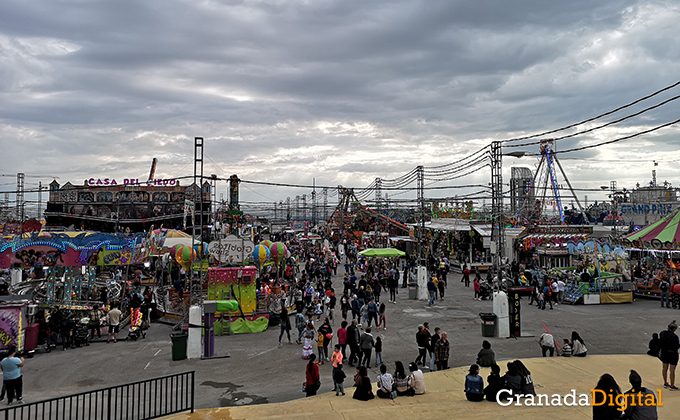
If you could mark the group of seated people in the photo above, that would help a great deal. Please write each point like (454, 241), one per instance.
(389, 386)
(517, 380)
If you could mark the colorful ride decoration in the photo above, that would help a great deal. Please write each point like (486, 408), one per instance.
(278, 252)
(237, 284)
(76, 249)
(266, 243)
(185, 256)
(664, 234)
(260, 256)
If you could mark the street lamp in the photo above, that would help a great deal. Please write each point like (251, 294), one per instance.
(498, 220)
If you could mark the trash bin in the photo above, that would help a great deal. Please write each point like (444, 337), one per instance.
(488, 324)
(179, 345)
(413, 291)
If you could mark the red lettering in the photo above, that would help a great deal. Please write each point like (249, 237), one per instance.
(113, 182)
(99, 182)
(126, 181)
(90, 181)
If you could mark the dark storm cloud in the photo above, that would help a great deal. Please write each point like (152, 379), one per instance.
(342, 91)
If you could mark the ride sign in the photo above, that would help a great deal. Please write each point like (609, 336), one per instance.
(231, 249)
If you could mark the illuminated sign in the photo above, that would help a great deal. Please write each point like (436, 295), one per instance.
(96, 182)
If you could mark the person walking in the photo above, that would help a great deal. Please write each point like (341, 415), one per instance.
(432, 289)
(367, 342)
(285, 326)
(300, 324)
(95, 321)
(665, 286)
(327, 331)
(113, 319)
(421, 342)
(353, 343)
(313, 382)
(466, 276)
(668, 354)
(373, 312)
(342, 338)
(11, 374)
(381, 316)
(393, 284)
(441, 352)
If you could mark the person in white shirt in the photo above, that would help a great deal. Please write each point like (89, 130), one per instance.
(547, 343)
(385, 382)
(560, 288)
(416, 380)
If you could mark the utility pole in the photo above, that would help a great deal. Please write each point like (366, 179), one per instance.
(313, 202)
(612, 187)
(421, 204)
(497, 218)
(288, 209)
(325, 204)
(197, 291)
(20, 201)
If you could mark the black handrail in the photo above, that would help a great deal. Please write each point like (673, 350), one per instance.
(140, 400)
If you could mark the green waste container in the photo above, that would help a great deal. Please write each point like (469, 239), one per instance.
(179, 345)
(488, 324)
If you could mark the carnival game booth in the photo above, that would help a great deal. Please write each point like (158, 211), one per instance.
(600, 278)
(237, 285)
(657, 247)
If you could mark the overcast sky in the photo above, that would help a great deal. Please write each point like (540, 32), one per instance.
(341, 91)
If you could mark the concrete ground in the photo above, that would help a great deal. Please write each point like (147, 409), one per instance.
(259, 372)
(445, 399)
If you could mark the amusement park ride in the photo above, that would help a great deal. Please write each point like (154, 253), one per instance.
(546, 190)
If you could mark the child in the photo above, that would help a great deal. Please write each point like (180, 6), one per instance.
(381, 316)
(338, 379)
(566, 348)
(378, 350)
(541, 302)
(654, 345)
(319, 345)
(337, 357)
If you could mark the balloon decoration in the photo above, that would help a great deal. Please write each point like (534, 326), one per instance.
(278, 252)
(260, 256)
(201, 249)
(173, 250)
(184, 256)
(267, 244)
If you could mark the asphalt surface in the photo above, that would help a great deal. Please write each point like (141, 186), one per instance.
(258, 371)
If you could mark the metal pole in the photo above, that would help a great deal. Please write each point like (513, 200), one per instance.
(498, 220)
(421, 205)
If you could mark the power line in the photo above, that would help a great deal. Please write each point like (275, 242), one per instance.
(576, 149)
(596, 117)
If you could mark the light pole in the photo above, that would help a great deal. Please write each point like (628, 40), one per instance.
(612, 190)
(497, 217)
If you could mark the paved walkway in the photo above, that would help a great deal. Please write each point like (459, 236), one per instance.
(445, 399)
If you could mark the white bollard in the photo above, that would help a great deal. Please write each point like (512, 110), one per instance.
(502, 311)
(194, 344)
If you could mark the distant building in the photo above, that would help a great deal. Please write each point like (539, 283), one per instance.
(108, 205)
(520, 187)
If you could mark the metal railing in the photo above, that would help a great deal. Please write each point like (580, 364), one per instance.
(139, 400)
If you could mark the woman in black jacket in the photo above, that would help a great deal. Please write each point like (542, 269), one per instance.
(364, 391)
(495, 383)
(608, 389)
